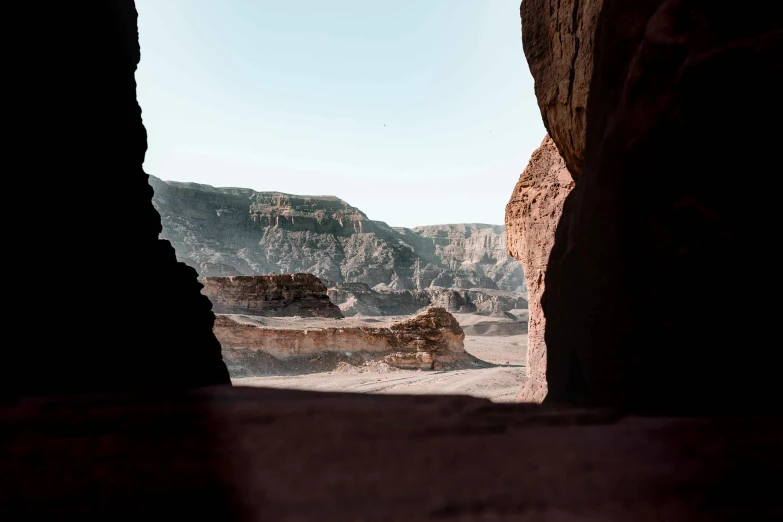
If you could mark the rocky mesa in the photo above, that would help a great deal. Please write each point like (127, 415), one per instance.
(430, 340)
(270, 295)
(236, 231)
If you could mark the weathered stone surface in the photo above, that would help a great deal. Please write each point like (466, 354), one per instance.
(434, 331)
(250, 454)
(531, 217)
(471, 249)
(678, 132)
(558, 39)
(234, 231)
(271, 295)
(359, 299)
(412, 360)
(90, 247)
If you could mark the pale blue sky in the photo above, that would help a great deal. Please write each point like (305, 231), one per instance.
(417, 112)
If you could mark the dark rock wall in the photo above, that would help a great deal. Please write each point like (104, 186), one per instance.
(118, 312)
(678, 191)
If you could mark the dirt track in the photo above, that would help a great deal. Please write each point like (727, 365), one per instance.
(499, 383)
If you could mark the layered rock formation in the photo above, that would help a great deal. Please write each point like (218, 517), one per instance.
(76, 127)
(474, 252)
(271, 295)
(232, 231)
(430, 338)
(360, 299)
(558, 43)
(679, 96)
(532, 215)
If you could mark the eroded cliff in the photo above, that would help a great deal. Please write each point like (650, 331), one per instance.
(231, 231)
(274, 295)
(532, 215)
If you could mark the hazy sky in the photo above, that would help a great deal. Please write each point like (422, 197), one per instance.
(415, 111)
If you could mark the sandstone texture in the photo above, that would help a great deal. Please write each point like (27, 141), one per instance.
(558, 39)
(76, 127)
(680, 103)
(532, 215)
(271, 295)
(234, 231)
(420, 341)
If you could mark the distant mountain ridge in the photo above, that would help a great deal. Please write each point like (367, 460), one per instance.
(238, 231)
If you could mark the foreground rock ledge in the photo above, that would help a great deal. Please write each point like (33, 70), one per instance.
(255, 454)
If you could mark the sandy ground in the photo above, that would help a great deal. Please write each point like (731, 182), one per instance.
(500, 382)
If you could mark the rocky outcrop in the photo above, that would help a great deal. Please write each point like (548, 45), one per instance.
(76, 127)
(558, 42)
(274, 295)
(233, 231)
(359, 299)
(677, 134)
(531, 218)
(431, 337)
(476, 252)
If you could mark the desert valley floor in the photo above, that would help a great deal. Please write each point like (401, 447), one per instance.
(498, 381)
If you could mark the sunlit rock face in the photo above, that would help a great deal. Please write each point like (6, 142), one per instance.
(432, 337)
(233, 231)
(532, 215)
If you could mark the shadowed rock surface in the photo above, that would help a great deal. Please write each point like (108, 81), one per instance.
(635, 313)
(253, 454)
(91, 248)
(557, 38)
(531, 218)
(235, 231)
(271, 295)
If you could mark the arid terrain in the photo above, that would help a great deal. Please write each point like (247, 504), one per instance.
(495, 377)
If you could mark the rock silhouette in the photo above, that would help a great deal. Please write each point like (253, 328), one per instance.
(77, 126)
(636, 313)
